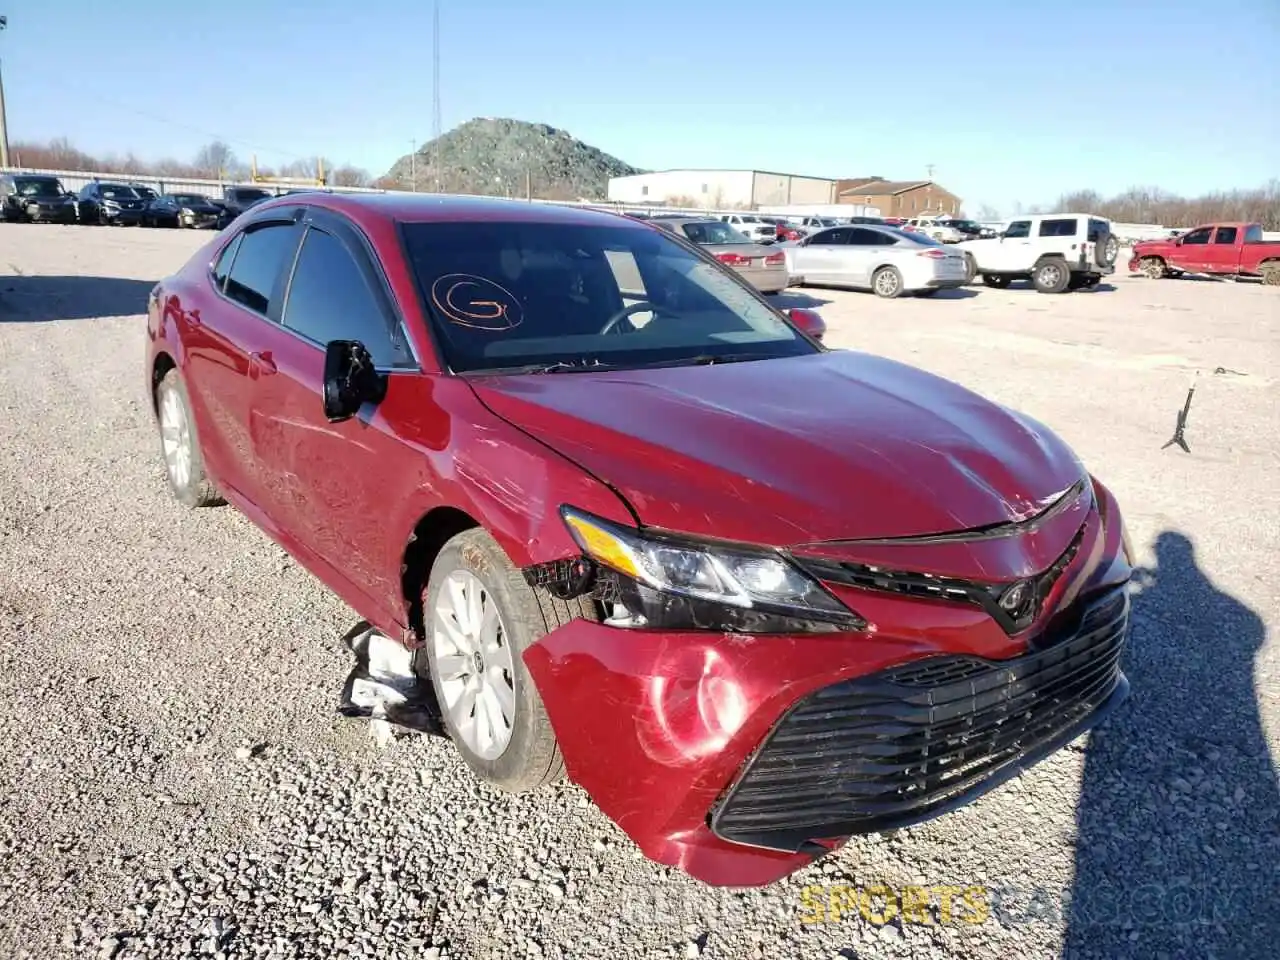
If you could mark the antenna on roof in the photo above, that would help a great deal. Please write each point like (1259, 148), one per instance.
(435, 91)
(928, 168)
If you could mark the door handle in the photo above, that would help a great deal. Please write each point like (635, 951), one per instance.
(261, 364)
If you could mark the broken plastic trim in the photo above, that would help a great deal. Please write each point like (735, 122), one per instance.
(384, 687)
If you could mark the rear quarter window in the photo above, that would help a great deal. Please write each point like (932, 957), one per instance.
(1058, 228)
(1253, 233)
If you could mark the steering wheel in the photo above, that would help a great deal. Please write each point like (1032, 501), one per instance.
(625, 313)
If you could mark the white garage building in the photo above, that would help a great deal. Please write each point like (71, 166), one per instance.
(721, 189)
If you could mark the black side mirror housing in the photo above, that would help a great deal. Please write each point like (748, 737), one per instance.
(350, 380)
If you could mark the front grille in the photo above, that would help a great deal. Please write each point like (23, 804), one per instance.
(926, 586)
(912, 742)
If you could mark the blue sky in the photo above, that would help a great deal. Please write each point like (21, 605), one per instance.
(1010, 101)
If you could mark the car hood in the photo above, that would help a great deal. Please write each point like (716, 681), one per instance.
(831, 446)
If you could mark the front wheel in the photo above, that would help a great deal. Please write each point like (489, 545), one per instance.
(887, 282)
(970, 267)
(480, 616)
(1051, 276)
(1152, 267)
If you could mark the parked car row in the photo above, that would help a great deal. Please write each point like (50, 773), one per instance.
(1056, 252)
(42, 198)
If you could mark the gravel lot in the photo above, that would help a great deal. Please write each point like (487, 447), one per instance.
(175, 782)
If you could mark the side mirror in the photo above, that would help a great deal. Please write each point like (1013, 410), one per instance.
(808, 322)
(350, 380)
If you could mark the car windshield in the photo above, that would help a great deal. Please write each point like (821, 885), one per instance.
(191, 199)
(38, 187)
(713, 232)
(115, 191)
(247, 196)
(145, 192)
(515, 297)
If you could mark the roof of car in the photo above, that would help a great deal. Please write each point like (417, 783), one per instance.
(426, 207)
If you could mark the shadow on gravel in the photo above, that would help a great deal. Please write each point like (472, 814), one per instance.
(42, 299)
(1177, 839)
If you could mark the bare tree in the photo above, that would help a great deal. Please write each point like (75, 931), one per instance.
(346, 175)
(1153, 205)
(988, 212)
(215, 160)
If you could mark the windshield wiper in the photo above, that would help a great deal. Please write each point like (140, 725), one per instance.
(558, 366)
(706, 359)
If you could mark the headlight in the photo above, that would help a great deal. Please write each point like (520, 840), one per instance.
(675, 582)
(188, 212)
(109, 204)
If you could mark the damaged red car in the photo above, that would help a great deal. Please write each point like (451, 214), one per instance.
(754, 595)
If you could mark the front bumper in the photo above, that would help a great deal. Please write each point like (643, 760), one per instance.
(63, 213)
(739, 759)
(123, 217)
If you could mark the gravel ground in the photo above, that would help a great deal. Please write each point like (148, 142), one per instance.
(175, 782)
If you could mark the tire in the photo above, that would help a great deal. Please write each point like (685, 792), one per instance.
(970, 267)
(1153, 268)
(1051, 276)
(1271, 273)
(525, 755)
(996, 281)
(887, 283)
(180, 445)
(1106, 250)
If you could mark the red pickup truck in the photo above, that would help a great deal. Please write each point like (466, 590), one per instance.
(1234, 249)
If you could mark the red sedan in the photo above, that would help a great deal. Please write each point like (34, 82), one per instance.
(754, 595)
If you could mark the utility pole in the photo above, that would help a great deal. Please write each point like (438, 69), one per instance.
(4, 125)
(413, 165)
(436, 124)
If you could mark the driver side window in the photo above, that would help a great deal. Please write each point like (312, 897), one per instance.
(1197, 236)
(1019, 229)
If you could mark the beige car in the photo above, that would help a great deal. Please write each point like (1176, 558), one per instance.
(764, 267)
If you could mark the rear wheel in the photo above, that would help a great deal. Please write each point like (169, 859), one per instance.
(887, 282)
(183, 462)
(995, 280)
(1271, 273)
(1051, 276)
(481, 615)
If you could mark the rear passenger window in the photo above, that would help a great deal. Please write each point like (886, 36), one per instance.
(223, 266)
(263, 255)
(330, 299)
(1225, 235)
(1018, 229)
(1058, 228)
(1253, 233)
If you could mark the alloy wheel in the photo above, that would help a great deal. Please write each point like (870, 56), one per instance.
(473, 660)
(175, 439)
(886, 283)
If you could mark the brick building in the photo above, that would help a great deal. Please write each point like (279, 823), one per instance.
(898, 198)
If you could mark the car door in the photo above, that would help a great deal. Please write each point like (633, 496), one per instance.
(1222, 254)
(1013, 251)
(1191, 251)
(818, 260)
(87, 204)
(219, 334)
(864, 251)
(329, 484)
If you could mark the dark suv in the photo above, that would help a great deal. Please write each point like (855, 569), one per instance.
(31, 198)
(111, 203)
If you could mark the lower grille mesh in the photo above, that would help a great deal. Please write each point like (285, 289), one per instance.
(911, 742)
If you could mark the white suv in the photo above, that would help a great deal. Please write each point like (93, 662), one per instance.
(1055, 251)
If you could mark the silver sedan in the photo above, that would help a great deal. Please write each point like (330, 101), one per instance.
(764, 267)
(870, 257)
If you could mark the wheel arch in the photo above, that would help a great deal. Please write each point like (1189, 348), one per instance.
(160, 368)
(432, 531)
